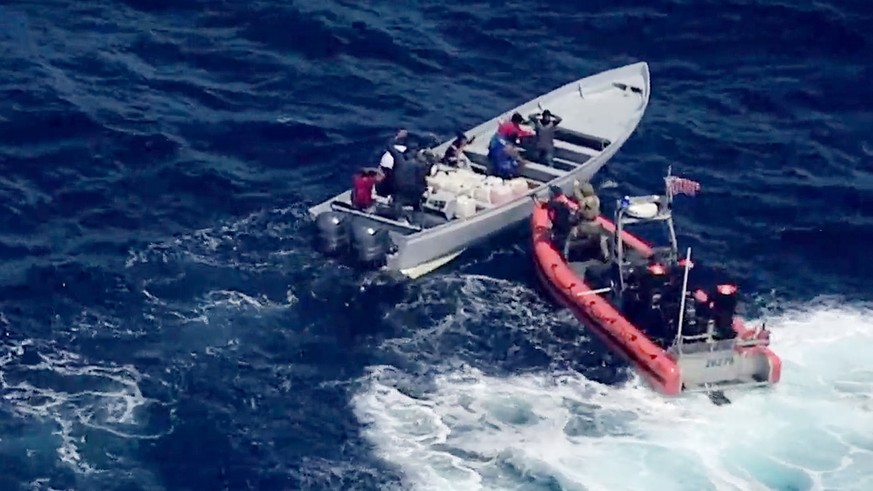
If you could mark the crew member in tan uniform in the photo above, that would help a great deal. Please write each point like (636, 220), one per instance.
(587, 233)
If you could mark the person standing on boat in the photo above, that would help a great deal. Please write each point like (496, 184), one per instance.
(589, 203)
(545, 126)
(386, 186)
(409, 175)
(400, 141)
(587, 233)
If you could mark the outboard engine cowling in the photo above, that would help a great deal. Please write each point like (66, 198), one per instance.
(370, 244)
(332, 234)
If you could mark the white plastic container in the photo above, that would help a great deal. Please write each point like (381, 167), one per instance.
(465, 207)
(501, 194)
(519, 187)
(438, 181)
(453, 184)
(471, 181)
(451, 208)
(492, 180)
(482, 193)
(469, 176)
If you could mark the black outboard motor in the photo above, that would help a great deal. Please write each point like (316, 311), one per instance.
(332, 233)
(369, 243)
(724, 305)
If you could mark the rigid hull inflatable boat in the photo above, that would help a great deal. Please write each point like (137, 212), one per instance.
(464, 206)
(637, 299)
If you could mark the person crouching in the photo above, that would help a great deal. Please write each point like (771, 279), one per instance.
(362, 188)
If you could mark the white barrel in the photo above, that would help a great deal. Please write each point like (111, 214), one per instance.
(465, 207)
(491, 180)
(501, 194)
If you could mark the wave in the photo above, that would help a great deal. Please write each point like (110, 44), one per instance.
(548, 430)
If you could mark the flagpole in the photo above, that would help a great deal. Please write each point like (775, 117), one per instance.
(668, 190)
(678, 341)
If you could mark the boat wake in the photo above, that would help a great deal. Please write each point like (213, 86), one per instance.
(473, 430)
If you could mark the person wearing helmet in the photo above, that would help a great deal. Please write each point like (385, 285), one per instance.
(589, 203)
(587, 233)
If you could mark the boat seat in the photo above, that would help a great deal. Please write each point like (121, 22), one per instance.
(573, 153)
(530, 153)
(581, 139)
(533, 170)
(566, 165)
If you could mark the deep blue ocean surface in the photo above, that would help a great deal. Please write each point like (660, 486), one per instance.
(165, 325)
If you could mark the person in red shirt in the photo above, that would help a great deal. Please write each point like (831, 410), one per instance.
(362, 187)
(512, 129)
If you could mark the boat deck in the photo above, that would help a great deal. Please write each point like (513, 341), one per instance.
(591, 120)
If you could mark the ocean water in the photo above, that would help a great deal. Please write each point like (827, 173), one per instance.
(165, 325)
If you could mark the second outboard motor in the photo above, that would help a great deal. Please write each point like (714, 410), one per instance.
(332, 233)
(724, 305)
(369, 243)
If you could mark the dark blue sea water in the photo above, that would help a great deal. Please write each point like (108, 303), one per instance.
(166, 326)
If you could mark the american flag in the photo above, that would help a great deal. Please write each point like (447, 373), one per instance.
(680, 185)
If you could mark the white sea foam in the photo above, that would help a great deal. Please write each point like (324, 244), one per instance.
(79, 399)
(472, 431)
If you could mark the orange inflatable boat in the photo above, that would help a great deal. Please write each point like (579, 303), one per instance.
(642, 299)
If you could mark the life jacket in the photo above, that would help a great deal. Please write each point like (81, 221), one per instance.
(362, 191)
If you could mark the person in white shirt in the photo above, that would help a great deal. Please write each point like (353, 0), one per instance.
(386, 187)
